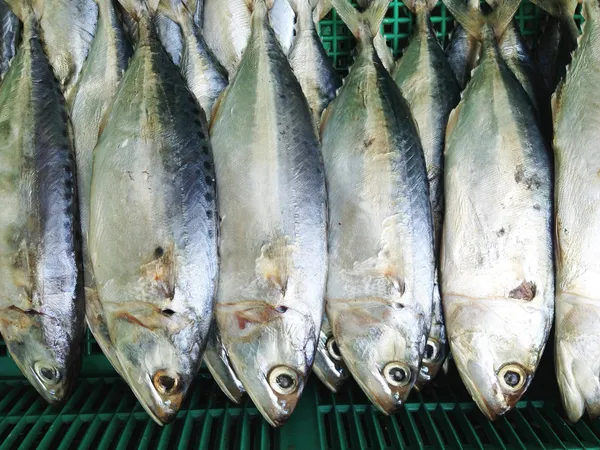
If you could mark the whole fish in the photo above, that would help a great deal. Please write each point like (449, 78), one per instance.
(462, 54)
(227, 28)
(381, 267)
(272, 202)
(496, 259)
(557, 41)
(428, 84)
(10, 37)
(67, 30)
(92, 97)
(41, 298)
(309, 60)
(153, 225)
(205, 76)
(576, 125)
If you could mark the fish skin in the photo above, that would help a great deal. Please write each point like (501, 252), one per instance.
(67, 29)
(272, 201)
(100, 76)
(41, 305)
(462, 54)
(428, 84)
(156, 279)
(381, 270)
(496, 261)
(10, 38)
(329, 368)
(283, 21)
(309, 60)
(577, 331)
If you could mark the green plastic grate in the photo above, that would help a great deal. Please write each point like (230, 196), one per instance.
(104, 414)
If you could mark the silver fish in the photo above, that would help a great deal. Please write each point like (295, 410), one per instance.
(496, 260)
(462, 53)
(329, 366)
(558, 40)
(272, 201)
(153, 182)
(381, 268)
(92, 98)
(10, 38)
(67, 30)
(283, 21)
(428, 84)
(41, 300)
(577, 334)
(205, 76)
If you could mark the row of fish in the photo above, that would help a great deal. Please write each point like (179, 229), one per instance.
(325, 192)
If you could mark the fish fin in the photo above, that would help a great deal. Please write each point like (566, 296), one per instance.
(304, 10)
(322, 9)
(416, 6)
(253, 4)
(372, 16)
(472, 19)
(557, 8)
(24, 8)
(136, 8)
(176, 10)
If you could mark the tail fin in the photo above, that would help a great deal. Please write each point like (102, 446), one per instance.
(304, 10)
(252, 4)
(557, 8)
(24, 8)
(372, 16)
(176, 10)
(137, 8)
(472, 19)
(416, 6)
(322, 9)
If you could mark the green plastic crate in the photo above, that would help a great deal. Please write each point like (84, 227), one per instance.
(104, 414)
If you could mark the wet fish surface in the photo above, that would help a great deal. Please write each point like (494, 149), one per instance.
(10, 38)
(428, 84)
(496, 263)
(462, 53)
(41, 300)
(272, 202)
(576, 124)
(153, 181)
(380, 233)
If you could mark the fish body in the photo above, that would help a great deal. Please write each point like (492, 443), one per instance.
(381, 269)
(100, 76)
(67, 30)
(283, 21)
(153, 181)
(272, 202)
(496, 260)
(10, 38)
(41, 300)
(428, 84)
(462, 53)
(577, 327)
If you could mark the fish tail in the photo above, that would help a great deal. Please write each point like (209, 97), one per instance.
(255, 4)
(138, 8)
(372, 16)
(23, 9)
(557, 8)
(304, 10)
(322, 9)
(176, 10)
(472, 19)
(419, 6)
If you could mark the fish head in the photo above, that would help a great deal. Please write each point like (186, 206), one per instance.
(436, 348)
(159, 352)
(496, 345)
(578, 355)
(271, 349)
(329, 365)
(381, 344)
(42, 347)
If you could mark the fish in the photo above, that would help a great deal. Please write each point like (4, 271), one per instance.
(380, 231)
(428, 84)
(67, 28)
(10, 38)
(329, 365)
(557, 41)
(41, 300)
(153, 181)
(309, 60)
(227, 26)
(92, 98)
(497, 266)
(385, 53)
(462, 53)
(204, 75)
(273, 246)
(577, 335)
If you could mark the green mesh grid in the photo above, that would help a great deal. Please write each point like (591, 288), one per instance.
(104, 414)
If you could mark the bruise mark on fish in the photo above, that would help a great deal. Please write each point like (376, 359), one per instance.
(525, 291)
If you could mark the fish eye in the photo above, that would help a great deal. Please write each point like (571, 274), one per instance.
(397, 374)
(432, 350)
(166, 382)
(333, 349)
(283, 380)
(47, 373)
(512, 377)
